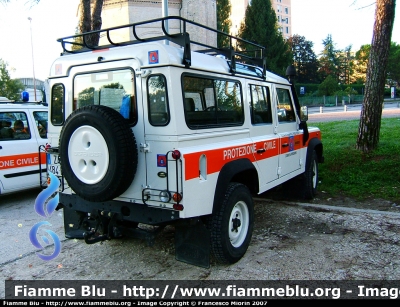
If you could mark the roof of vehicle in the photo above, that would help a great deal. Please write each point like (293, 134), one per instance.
(4, 99)
(179, 53)
(23, 105)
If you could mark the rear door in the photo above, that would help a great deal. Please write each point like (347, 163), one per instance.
(19, 149)
(111, 84)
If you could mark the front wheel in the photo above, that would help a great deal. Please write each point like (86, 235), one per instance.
(310, 182)
(231, 224)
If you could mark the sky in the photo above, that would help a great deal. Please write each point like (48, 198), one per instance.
(52, 19)
(349, 22)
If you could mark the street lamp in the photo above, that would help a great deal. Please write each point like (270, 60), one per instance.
(33, 62)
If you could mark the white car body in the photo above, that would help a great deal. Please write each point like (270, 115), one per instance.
(19, 156)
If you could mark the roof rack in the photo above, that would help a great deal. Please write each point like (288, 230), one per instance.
(80, 43)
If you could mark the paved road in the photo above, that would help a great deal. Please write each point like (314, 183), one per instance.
(290, 242)
(348, 112)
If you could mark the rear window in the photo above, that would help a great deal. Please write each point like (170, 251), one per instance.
(114, 89)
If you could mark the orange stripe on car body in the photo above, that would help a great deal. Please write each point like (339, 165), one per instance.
(217, 158)
(24, 160)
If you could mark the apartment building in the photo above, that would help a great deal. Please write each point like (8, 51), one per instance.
(284, 15)
(282, 9)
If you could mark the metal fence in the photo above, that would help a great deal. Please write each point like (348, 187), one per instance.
(330, 101)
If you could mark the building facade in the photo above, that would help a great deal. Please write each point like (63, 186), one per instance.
(284, 16)
(30, 86)
(122, 12)
(238, 10)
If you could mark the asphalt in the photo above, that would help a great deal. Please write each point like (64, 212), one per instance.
(391, 108)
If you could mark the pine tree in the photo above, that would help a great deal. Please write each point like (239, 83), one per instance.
(260, 26)
(223, 21)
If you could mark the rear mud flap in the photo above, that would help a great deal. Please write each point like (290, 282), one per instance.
(192, 243)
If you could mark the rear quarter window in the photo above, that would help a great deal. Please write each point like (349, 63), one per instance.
(211, 102)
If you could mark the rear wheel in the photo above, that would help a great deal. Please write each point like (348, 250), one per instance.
(231, 224)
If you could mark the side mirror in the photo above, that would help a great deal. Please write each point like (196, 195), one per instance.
(304, 114)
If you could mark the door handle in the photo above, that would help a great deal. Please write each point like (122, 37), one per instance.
(285, 144)
(260, 151)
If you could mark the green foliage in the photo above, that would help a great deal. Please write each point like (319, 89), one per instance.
(393, 66)
(304, 59)
(349, 172)
(116, 85)
(223, 21)
(260, 26)
(9, 88)
(329, 86)
(328, 59)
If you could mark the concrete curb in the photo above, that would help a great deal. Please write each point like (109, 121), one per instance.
(333, 208)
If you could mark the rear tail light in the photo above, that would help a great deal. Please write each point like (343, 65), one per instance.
(176, 154)
(178, 207)
(177, 197)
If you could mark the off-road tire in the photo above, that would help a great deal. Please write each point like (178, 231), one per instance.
(227, 245)
(310, 177)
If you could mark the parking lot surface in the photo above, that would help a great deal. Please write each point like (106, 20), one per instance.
(291, 241)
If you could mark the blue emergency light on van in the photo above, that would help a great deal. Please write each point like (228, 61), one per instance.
(25, 96)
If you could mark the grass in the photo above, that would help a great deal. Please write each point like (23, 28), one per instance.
(353, 174)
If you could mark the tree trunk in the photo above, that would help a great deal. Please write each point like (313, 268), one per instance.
(90, 22)
(371, 112)
(96, 20)
(84, 22)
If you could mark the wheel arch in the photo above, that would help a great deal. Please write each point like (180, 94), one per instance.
(241, 171)
(315, 144)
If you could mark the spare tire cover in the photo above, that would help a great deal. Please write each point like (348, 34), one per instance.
(98, 153)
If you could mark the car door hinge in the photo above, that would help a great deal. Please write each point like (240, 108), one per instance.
(144, 147)
(143, 73)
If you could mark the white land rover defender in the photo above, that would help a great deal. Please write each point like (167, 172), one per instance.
(157, 133)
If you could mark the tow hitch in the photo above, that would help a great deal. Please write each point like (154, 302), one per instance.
(93, 235)
(112, 228)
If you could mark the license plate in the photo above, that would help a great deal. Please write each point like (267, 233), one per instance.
(53, 164)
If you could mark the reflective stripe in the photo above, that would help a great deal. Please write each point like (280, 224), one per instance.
(24, 160)
(217, 158)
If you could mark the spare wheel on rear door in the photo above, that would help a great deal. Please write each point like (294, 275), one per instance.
(98, 153)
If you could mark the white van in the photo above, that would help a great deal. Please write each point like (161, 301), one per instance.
(142, 132)
(23, 129)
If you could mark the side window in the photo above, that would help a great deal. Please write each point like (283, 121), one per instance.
(41, 123)
(114, 89)
(285, 108)
(157, 100)
(57, 104)
(212, 102)
(14, 126)
(260, 105)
